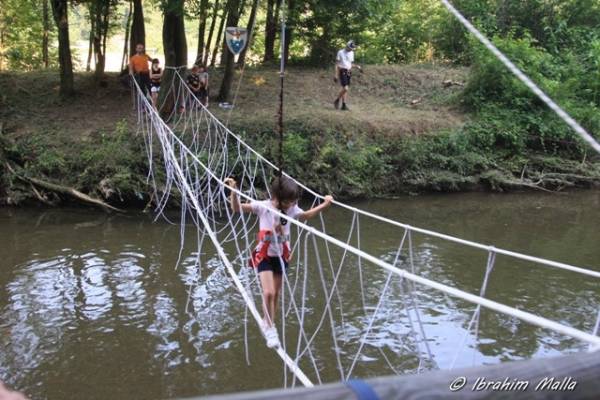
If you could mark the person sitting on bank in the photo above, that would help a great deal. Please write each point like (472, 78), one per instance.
(138, 67)
(197, 81)
(343, 73)
(203, 92)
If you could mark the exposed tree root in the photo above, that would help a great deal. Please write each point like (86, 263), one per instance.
(65, 190)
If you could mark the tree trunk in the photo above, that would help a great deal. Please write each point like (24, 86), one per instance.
(175, 45)
(1, 47)
(202, 31)
(251, 22)
(289, 29)
(2, 35)
(232, 20)
(220, 34)
(125, 58)
(106, 24)
(213, 23)
(60, 13)
(138, 32)
(270, 31)
(174, 40)
(45, 34)
(241, 9)
(88, 66)
(98, 31)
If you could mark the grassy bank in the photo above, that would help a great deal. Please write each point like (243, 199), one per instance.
(406, 133)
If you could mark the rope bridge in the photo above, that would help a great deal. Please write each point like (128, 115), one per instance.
(196, 152)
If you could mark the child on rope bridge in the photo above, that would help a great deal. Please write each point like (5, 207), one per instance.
(272, 253)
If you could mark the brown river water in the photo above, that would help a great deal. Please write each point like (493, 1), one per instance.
(92, 306)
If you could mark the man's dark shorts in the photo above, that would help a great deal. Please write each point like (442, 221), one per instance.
(345, 76)
(143, 80)
(272, 264)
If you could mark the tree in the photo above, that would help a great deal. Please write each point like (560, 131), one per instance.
(25, 34)
(125, 58)
(88, 65)
(101, 11)
(271, 29)
(46, 34)
(211, 31)
(219, 39)
(202, 47)
(174, 43)
(173, 33)
(251, 23)
(292, 17)
(232, 20)
(138, 31)
(61, 18)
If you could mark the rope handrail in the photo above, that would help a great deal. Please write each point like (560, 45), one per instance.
(240, 287)
(481, 246)
(490, 304)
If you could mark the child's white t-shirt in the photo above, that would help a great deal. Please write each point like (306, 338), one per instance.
(270, 221)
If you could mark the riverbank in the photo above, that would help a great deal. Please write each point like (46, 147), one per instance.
(406, 133)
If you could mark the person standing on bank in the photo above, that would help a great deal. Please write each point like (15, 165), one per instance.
(343, 72)
(138, 67)
(156, 74)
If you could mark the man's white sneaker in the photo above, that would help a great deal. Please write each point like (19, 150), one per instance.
(272, 337)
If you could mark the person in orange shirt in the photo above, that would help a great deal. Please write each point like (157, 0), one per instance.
(138, 67)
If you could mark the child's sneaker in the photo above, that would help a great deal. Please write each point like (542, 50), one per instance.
(272, 337)
(264, 326)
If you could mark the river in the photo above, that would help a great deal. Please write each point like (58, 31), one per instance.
(93, 306)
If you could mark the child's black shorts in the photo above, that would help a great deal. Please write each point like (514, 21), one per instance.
(272, 264)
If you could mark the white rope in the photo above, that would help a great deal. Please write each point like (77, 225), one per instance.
(525, 316)
(525, 79)
(198, 173)
(414, 302)
(363, 340)
(595, 331)
(476, 314)
(521, 256)
(170, 154)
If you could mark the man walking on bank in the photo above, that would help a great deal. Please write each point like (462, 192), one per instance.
(343, 72)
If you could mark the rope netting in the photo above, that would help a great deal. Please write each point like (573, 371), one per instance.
(341, 306)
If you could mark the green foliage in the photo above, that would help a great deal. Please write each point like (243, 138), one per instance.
(22, 30)
(115, 156)
(509, 115)
(331, 162)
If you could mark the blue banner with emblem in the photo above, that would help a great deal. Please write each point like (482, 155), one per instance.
(236, 39)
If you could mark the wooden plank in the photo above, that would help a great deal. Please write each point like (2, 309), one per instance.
(566, 377)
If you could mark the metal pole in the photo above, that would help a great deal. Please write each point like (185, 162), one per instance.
(283, 221)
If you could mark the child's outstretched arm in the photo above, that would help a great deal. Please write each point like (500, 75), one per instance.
(308, 214)
(236, 206)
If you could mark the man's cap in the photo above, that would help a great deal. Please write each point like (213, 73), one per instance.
(351, 44)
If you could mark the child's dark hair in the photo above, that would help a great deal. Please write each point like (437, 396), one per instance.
(285, 189)
(155, 61)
